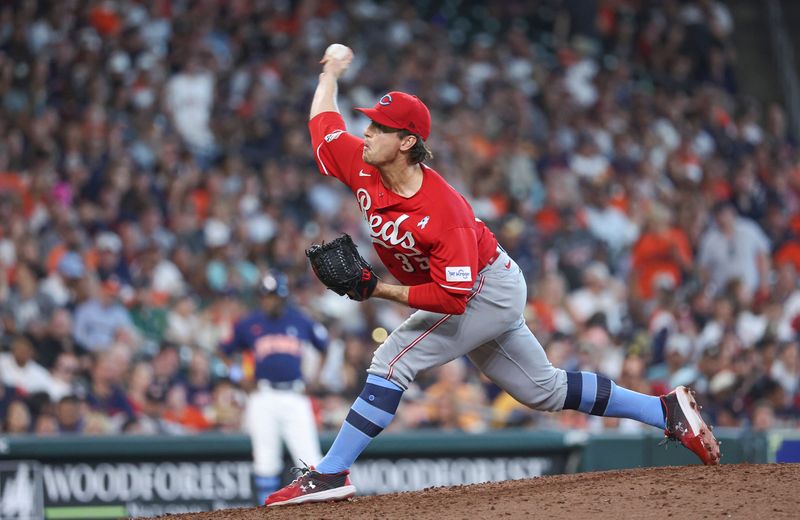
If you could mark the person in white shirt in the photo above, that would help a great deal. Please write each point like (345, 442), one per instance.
(597, 295)
(588, 162)
(607, 222)
(18, 369)
(189, 99)
(734, 248)
(183, 321)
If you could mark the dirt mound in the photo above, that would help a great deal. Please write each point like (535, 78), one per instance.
(748, 491)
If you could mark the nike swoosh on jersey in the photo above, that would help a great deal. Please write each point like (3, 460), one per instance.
(362, 174)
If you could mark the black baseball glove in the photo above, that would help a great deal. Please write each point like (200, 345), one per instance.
(338, 265)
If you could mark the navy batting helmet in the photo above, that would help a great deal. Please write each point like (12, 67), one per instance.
(274, 282)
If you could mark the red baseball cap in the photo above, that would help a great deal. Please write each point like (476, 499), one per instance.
(403, 111)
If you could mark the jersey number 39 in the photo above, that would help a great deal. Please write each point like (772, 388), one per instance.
(408, 266)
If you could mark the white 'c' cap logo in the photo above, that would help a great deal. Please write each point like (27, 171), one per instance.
(385, 100)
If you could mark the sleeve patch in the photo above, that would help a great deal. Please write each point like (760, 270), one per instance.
(458, 273)
(333, 135)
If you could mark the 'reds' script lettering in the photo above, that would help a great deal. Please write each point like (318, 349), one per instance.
(386, 233)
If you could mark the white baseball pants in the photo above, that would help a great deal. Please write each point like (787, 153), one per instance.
(274, 415)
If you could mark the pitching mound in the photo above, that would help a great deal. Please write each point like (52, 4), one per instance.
(729, 491)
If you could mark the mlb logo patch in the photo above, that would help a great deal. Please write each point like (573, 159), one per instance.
(458, 274)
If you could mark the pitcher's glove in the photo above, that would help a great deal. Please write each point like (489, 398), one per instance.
(338, 265)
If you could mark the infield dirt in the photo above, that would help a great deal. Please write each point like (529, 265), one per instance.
(747, 491)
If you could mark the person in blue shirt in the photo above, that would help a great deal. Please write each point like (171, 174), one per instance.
(277, 409)
(101, 320)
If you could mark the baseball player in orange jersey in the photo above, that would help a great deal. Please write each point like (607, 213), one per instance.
(469, 294)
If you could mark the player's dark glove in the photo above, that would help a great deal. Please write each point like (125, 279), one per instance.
(338, 265)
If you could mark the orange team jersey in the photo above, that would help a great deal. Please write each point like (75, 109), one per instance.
(651, 257)
(432, 236)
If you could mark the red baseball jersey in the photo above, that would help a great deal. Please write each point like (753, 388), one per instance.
(430, 237)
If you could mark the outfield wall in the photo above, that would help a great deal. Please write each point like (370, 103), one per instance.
(111, 477)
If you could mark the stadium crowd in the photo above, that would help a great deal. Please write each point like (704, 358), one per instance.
(155, 160)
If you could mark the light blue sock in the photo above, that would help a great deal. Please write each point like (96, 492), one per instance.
(598, 395)
(265, 486)
(633, 405)
(372, 411)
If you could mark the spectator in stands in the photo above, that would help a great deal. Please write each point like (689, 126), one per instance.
(198, 382)
(598, 295)
(152, 271)
(101, 320)
(351, 374)
(226, 270)
(181, 412)
(152, 420)
(189, 97)
(661, 255)
(98, 423)
(64, 285)
(166, 365)
(148, 313)
(69, 415)
(109, 262)
(609, 223)
(183, 321)
(150, 227)
(453, 402)
(763, 417)
(46, 424)
(106, 394)
(786, 371)
(549, 306)
(736, 248)
(57, 339)
(63, 376)
(18, 418)
(445, 412)
(588, 162)
(675, 369)
(575, 247)
(785, 300)
(19, 370)
(139, 379)
(225, 412)
(26, 302)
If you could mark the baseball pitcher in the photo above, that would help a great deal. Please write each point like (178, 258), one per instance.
(277, 409)
(469, 294)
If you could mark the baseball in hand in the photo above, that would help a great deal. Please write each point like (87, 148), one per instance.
(338, 51)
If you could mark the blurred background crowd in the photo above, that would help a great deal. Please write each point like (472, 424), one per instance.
(155, 161)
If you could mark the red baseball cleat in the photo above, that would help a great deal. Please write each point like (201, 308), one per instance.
(685, 424)
(312, 486)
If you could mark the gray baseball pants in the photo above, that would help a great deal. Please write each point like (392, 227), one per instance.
(491, 332)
